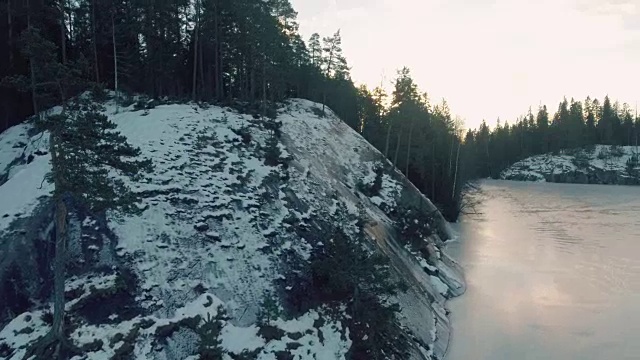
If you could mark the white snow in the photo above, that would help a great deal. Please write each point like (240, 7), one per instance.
(87, 285)
(22, 330)
(20, 195)
(12, 143)
(237, 339)
(440, 286)
(377, 200)
(332, 348)
(390, 190)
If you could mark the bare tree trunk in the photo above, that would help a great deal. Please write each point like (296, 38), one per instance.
(324, 97)
(240, 81)
(406, 171)
(151, 49)
(195, 53)
(455, 175)
(9, 25)
(252, 81)
(115, 59)
(386, 147)
(58, 270)
(57, 160)
(433, 170)
(219, 83)
(395, 156)
(32, 68)
(220, 69)
(451, 154)
(63, 32)
(61, 227)
(34, 101)
(6, 118)
(94, 40)
(264, 87)
(203, 92)
(52, 344)
(488, 158)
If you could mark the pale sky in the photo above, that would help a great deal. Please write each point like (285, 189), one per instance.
(489, 58)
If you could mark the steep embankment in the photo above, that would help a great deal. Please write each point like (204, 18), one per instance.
(602, 164)
(217, 233)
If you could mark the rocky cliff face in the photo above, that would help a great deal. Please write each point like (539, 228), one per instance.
(222, 222)
(601, 164)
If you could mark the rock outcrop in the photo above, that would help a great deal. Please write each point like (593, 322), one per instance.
(223, 215)
(601, 164)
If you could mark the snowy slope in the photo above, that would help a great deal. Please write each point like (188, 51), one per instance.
(334, 157)
(216, 224)
(601, 164)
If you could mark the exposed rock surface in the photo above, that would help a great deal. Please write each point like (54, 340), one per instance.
(601, 164)
(217, 230)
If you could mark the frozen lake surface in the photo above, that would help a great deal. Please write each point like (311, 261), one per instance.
(553, 272)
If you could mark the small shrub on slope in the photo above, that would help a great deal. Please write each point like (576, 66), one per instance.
(344, 272)
(373, 189)
(272, 153)
(375, 331)
(98, 93)
(616, 151)
(632, 165)
(604, 154)
(269, 309)
(581, 160)
(209, 332)
(415, 227)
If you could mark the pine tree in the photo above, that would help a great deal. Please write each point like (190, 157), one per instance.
(84, 150)
(346, 272)
(542, 122)
(606, 123)
(404, 105)
(576, 126)
(618, 113)
(333, 62)
(627, 128)
(591, 133)
(560, 127)
(210, 347)
(315, 50)
(49, 81)
(636, 129)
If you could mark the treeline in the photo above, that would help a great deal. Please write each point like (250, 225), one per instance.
(575, 124)
(220, 51)
(211, 50)
(423, 140)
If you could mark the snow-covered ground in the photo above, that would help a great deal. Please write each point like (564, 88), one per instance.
(601, 164)
(215, 225)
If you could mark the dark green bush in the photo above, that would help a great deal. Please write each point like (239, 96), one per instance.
(616, 151)
(373, 189)
(209, 332)
(345, 272)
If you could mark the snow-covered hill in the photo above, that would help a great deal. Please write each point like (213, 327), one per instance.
(601, 164)
(216, 235)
